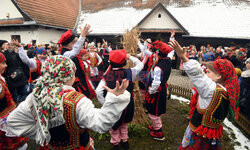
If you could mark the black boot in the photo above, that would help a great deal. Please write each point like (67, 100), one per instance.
(116, 147)
(125, 145)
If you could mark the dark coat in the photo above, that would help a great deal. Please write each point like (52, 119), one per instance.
(15, 66)
(245, 93)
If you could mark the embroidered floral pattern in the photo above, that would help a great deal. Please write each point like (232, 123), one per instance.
(226, 69)
(48, 90)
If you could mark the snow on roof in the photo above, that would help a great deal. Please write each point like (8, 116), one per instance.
(214, 20)
(113, 21)
(202, 19)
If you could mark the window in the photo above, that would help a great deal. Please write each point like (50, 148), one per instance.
(144, 1)
(159, 15)
(16, 37)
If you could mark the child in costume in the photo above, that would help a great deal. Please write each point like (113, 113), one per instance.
(95, 61)
(7, 105)
(156, 86)
(82, 82)
(57, 116)
(116, 72)
(218, 92)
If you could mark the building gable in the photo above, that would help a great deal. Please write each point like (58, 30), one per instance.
(159, 19)
(8, 10)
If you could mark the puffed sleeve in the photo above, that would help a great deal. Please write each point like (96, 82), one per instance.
(204, 85)
(101, 120)
(21, 122)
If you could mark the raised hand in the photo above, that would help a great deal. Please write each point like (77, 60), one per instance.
(179, 50)
(85, 31)
(15, 43)
(105, 42)
(119, 89)
(128, 56)
(172, 33)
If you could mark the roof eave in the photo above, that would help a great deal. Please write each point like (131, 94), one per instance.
(35, 24)
(56, 27)
(240, 38)
(26, 16)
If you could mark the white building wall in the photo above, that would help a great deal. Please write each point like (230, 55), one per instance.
(26, 35)
(164, 22)
(8, 7)
(41, 35)
(46, 36)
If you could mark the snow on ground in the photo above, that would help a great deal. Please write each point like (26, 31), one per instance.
(181, 99)
(240, 138)
(232, 131)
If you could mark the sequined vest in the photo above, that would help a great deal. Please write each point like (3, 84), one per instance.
(208, 122)
(69, 135)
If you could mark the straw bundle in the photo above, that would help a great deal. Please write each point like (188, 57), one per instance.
(130, 39)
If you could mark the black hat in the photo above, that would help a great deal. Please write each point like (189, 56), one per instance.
(2, 42)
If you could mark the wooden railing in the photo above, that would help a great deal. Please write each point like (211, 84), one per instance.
(242, 121)
(181, 91)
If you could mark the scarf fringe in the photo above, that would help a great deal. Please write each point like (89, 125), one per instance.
(41, 138)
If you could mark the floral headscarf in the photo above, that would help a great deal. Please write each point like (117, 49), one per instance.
(226, 69)
(48, 93)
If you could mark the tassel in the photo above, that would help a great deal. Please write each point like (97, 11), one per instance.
(237, 113)
(220, 131)
(205, 130)
(217, 133)
(199, 130)
(209, 133)
(214, 133)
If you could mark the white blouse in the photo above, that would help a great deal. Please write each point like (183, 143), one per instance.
(21, 121)
(204, 85)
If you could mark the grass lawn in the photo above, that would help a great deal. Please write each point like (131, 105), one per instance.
(174, 125)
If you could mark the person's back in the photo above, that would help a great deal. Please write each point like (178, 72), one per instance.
(17, 74)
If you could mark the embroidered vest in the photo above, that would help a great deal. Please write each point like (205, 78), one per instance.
(69, 135)
(93, 60)
(7, 104)
(35, 73)
(208, 122)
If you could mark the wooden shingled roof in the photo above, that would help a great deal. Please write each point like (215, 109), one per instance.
(52, 13)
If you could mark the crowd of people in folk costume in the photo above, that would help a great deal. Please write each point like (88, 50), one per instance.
(54, 88)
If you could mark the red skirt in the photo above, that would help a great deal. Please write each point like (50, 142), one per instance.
(10, 143)
(199, 143)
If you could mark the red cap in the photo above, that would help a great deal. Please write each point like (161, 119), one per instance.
(29, 45)
(66, 38)
(118, 56)
(163, 47)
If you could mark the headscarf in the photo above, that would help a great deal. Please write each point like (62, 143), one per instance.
(226, 69)
(48, 94)
(82, 53)
(2, 57)
(162, 47)
(40, 50)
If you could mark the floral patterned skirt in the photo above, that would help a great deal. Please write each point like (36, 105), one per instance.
(10, 143)
(199, 143)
